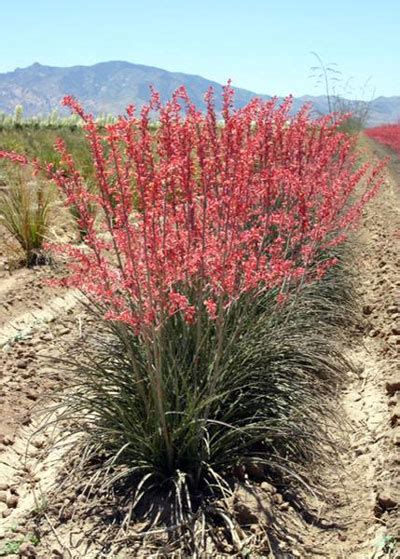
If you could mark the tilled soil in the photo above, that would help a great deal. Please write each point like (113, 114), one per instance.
(367, 514)
(35, 321)
(362, 519)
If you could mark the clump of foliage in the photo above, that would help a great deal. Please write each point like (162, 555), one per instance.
(38, 144)
(51, 121)
(25, 211)
(209, 276)
(388, 134)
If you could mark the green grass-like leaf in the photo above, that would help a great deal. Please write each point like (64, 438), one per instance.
(270, 402)
(25, 211)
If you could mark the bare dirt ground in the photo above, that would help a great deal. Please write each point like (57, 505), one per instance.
(362, 519)
(366, 518)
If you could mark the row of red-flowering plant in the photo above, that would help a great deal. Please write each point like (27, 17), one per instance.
(388, 134)
(199, 212)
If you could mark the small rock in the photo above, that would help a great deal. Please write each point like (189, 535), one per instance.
(393, 340)
(39, 442)
(3, 497)
(4, 486)
(360, 368)
(31, 395)
(374, 333)
(27, 550)
(47, 337)
(395, 415)
(22, 364)
(278, 499)
(265, 486)
(12, 501)
(8, 440)
(26, 420)
(65, 515)
(388, 498)
(33, 452)
(250, 507)
(393, 384)
(6, 513)
(396, 437)
(255, 471)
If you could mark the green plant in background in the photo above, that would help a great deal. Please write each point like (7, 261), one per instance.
(34, 539)
(51, 121)
(18, 116)
(11, 547)
(25, 211)
(38, 143)
(326, 75)
(387, 544)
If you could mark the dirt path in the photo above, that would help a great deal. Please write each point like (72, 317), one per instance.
(36, 323)
(367, 511)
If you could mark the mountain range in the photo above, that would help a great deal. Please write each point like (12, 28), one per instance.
(108, 87)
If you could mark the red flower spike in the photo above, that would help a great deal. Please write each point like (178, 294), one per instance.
(197, 213)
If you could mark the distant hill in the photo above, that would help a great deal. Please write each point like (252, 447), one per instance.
(108, 87)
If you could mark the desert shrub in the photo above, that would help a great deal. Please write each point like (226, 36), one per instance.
(210, 276)
(39, 143)
(25, 212)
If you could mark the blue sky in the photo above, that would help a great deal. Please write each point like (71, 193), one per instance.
(262, 45)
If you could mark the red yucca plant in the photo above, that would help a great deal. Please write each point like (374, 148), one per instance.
(203, 227)
(389, 135)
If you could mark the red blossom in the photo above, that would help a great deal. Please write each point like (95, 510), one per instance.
(211, 307)
(389, 134)
(196, 213)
